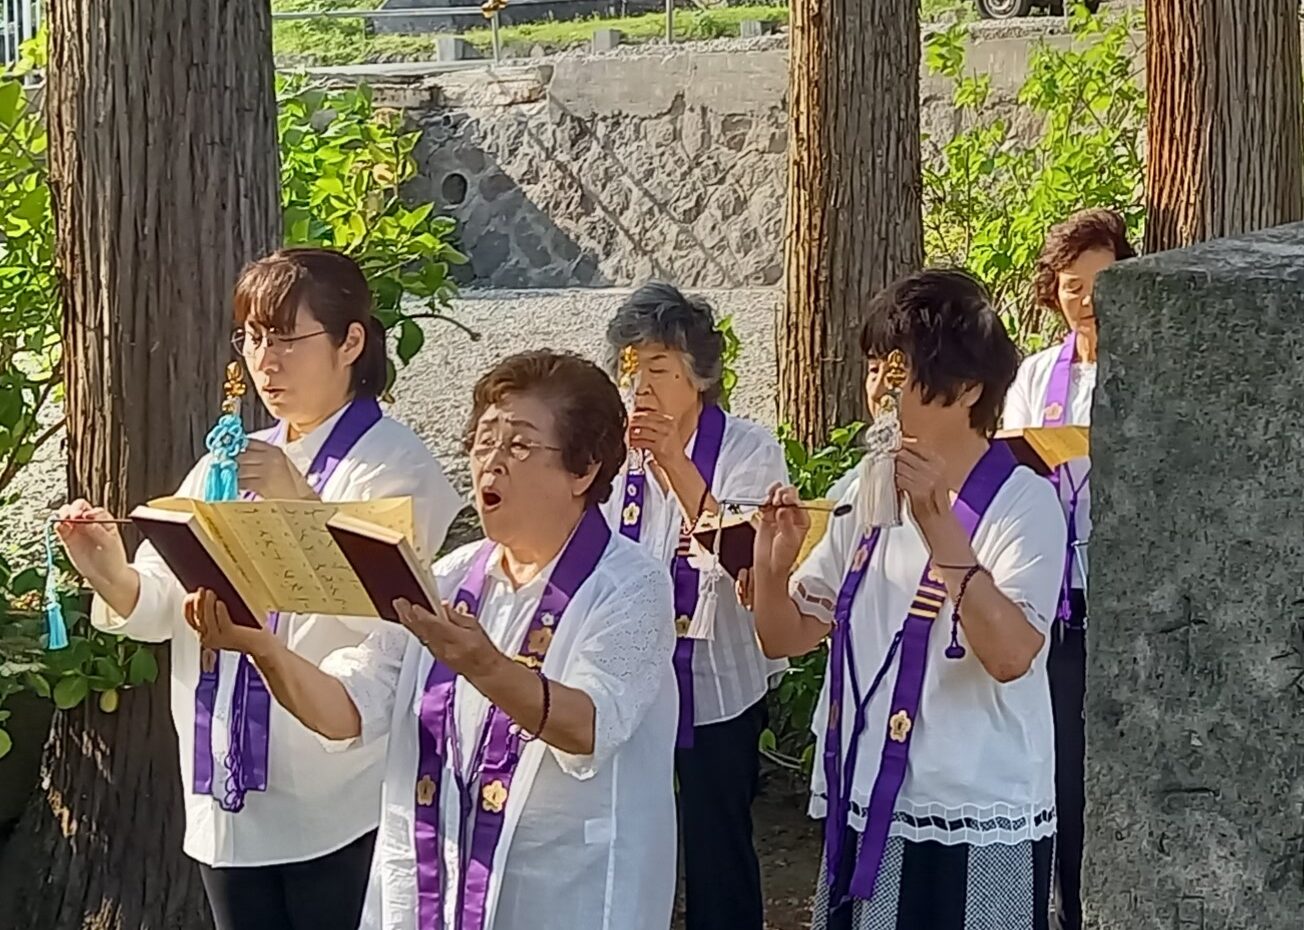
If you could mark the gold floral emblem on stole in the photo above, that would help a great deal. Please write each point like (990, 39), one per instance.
(462, 606)
(426, 791)
(899, 726)
(682, 623)
(630, 516)
(857, 563)
(835, 713)
(208, 661)
(933, 576)
(539, 641)
(1053, 411)
(494, 797)
(528, 661)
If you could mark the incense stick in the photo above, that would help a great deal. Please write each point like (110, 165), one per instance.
(836, 509)
(87, 521)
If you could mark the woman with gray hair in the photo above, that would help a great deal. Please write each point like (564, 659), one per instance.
(687, 455)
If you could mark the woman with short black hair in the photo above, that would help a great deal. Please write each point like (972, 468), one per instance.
(530, 718)
(688, 455)
(935, 764)
(1055, 387)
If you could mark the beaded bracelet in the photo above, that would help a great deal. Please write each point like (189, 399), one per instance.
(955, 650)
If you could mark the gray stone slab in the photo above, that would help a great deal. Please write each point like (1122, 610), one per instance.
(1195, 712)
(605, 40)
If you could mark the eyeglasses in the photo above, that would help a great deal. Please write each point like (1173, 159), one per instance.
(518, 449)
(248, 343)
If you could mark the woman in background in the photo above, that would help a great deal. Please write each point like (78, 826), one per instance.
(282, 830)
(687, 456)
(1055, 388)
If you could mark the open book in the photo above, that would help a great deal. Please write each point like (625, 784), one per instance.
(1046, 448)
(266, 556)
(739, 535)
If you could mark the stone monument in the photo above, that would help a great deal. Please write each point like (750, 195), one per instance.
(1195, 691)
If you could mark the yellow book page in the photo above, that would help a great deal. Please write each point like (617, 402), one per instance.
(296, 557)
(237, 563)
(1059, 444)
(819, 525)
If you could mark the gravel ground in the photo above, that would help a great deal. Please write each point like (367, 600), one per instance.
(432, 395)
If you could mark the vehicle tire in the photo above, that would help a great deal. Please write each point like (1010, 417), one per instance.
(1003, 9)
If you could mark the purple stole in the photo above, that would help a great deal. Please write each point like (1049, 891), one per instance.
(1055, 413)
(911, 642)
(706, 455)
(246, 759)
(498, 748)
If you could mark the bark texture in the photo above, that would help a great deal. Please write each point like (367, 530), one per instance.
(163, 164)
(1225, 119)
(854, 218)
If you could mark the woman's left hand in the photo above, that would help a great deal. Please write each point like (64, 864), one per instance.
(919, 473)
(266, 470)
(453, 636)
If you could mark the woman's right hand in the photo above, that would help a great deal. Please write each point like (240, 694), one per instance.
(781, 531)
(94, 548)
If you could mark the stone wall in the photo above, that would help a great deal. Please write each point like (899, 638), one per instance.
(1195, 761)
(588, 170)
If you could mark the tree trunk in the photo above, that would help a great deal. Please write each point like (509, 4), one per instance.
(163, 166)
(1225, 125)
(854, 218)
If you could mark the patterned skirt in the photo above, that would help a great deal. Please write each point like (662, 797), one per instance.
(932, 886)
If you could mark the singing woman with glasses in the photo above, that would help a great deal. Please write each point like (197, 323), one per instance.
(283, 830)
(530, 718)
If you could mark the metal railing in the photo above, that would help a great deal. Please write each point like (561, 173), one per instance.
(489, 10)
(19, 21)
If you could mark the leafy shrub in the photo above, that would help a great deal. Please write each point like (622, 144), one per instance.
(989, 197)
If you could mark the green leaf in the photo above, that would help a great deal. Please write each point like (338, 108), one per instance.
(70, 692)
(25, 582)
(143, 667)
(410, 340)
(6, 743)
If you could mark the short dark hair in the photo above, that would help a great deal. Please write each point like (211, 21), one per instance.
(587, 407)
(271, 290)
(660, 313)
(952, 338)
(1096, 228)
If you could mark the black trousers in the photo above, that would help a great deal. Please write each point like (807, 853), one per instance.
(319, 894)
(1067, 669)
(718, 781)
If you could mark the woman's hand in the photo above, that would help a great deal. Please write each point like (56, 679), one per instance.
(780, 532)
(453, 636)
(265, 470)
(210, 619)
(94, 548)
(745, 588)
(655, 433)
(919, 474)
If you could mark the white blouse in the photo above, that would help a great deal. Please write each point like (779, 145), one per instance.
(588, 841)
(730, 672)
(315, 802)
(1025, 406)
(981, 766)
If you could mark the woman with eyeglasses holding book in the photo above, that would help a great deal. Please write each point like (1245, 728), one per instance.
(530, 715)
(1055, 387)
(934, 752)
(282, 829)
